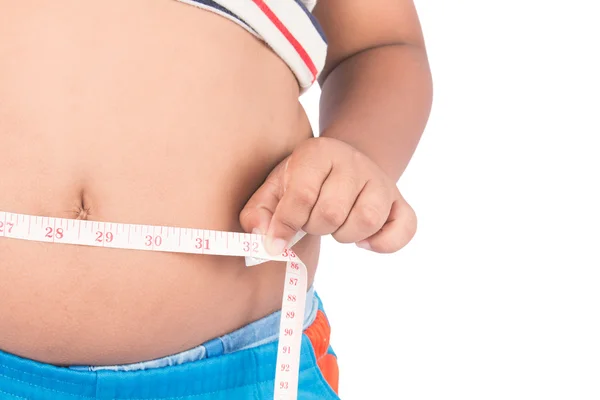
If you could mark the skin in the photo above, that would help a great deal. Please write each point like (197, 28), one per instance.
(143, 121)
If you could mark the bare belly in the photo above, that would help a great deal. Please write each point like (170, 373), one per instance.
(139, 111)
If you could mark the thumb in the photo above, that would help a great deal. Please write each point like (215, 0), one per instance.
(256, 215)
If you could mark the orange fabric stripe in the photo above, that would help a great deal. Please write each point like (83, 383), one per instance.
(319, 333)
(330, 370)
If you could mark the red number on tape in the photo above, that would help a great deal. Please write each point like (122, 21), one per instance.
(108, 237)
(157, 241)
(8, 224)
(254, 246)
(203, 244)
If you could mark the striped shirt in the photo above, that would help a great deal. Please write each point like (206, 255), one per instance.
(287, 26)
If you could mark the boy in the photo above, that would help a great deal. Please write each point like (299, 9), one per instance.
(157, 112)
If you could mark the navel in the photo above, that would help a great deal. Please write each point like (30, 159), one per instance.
(83, 213)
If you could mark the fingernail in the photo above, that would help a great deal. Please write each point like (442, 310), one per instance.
(363, 244)
(256, 231)
(275, 246)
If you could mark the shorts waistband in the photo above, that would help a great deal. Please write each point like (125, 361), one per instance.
(244, 374)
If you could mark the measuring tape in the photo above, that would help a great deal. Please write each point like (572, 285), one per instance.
(186, 240)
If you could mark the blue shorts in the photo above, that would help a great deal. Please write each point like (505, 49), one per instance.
(239, 365)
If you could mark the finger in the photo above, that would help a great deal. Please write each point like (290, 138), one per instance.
(396, 233)
(368, 214)
(337, 196)
(304, 179)
(258, 211)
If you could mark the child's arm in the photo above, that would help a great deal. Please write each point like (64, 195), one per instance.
(376, 85)
(375, 103)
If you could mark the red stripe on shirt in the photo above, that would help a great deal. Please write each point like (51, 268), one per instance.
(288, 35)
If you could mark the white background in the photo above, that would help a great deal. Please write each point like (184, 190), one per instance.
(498, 295)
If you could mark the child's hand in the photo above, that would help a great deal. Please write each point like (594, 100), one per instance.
(326, 186)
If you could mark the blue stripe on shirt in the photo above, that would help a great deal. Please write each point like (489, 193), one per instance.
(212, 4)
(313, 19)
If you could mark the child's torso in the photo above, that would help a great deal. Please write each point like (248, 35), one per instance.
(145, 111)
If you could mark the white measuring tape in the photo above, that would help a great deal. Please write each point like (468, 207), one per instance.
(185, 240)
